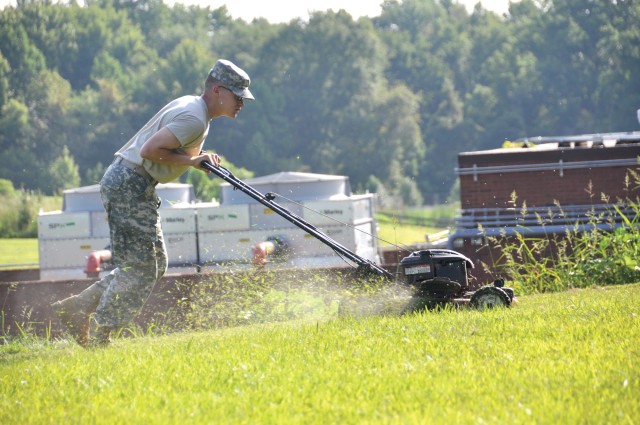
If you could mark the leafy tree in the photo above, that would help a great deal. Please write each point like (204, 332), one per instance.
(25, 60)
(388, 101)
(4, 81)
(94, 174)
(52, 31)
(206, 186)
(429, 51)
(185, 69)
(152, 17)
(14, 123)
(6, 188)
(16, 144)
(63, 173)
(239, 41)
(617, 92)
(340, 116)
(409, 193)
(99, 124)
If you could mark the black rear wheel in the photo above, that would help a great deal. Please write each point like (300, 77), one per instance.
(489, 297)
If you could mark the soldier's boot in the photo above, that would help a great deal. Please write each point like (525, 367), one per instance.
(75, 312)
(101, 337)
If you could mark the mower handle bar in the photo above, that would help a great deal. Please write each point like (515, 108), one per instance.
(364, 266)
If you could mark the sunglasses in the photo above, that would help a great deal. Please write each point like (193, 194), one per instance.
(238, 98)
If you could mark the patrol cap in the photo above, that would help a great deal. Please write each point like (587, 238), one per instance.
(232, 77)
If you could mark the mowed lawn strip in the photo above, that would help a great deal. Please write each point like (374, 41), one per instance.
(18, 252)
(569, 357)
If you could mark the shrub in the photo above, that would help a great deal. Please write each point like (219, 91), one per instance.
(19, 211)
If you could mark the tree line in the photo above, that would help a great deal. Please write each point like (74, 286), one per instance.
(388, 101)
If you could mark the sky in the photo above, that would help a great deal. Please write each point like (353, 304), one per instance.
(276, 11)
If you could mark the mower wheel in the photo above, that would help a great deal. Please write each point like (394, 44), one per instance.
(509, 292)
(489, 297)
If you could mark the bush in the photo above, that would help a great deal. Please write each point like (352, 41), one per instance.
(19, 211)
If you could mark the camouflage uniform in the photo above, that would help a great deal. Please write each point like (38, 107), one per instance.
(137, 244)
(129, 197)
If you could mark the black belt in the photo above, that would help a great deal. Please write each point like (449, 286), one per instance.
(135, 167)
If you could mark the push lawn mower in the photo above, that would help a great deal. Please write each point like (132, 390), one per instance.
(436, 276)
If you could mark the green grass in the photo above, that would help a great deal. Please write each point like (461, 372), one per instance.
(394, 234)
(18, 251)
(438, 213)
(569, 357)
(411, 226)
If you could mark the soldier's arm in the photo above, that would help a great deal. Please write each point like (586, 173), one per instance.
(165, 148)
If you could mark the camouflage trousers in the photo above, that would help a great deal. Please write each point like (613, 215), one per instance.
(137, 244)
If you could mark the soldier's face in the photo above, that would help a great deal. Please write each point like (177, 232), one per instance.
(233, 103)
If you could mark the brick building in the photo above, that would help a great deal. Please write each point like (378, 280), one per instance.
(560, 180)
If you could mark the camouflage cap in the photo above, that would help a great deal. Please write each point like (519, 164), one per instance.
(232, 77)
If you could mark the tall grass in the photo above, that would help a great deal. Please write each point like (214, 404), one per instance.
(604, 250)
(556, 358)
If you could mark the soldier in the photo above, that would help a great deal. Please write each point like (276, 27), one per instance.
(161, 151)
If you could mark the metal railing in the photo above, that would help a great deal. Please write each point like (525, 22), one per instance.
(537, 216)
(559, 166)
(586, 140)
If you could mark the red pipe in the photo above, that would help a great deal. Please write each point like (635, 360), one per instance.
(261, 251)
(94, 260)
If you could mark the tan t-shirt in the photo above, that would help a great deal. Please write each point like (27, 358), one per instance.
(188, 119)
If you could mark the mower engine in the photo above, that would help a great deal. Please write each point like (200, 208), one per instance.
(441, 276)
